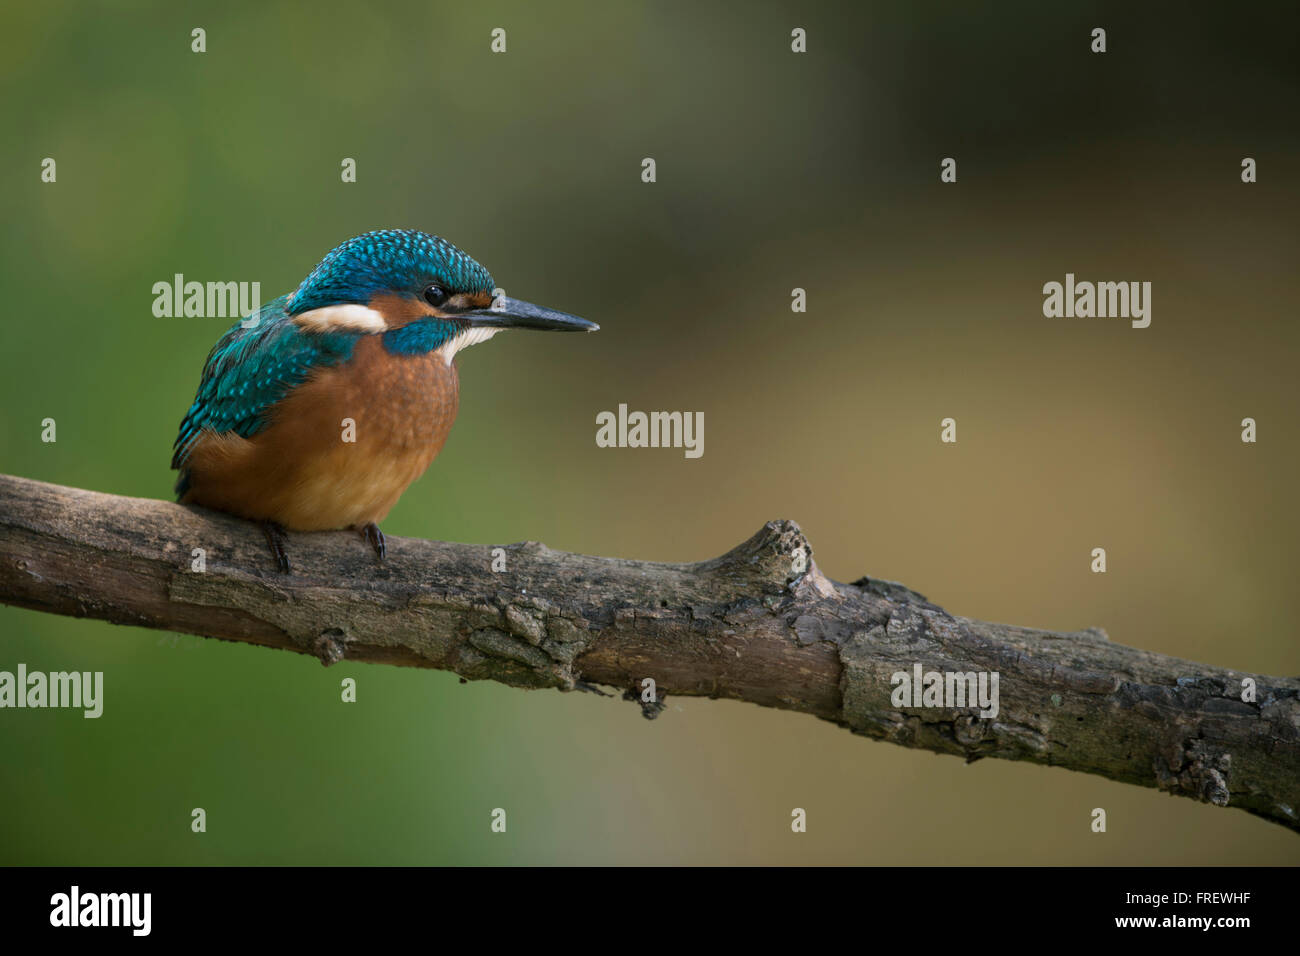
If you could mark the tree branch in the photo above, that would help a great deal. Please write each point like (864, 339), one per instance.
(759, 624)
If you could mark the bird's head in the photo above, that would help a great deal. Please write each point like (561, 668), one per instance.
(386, 281)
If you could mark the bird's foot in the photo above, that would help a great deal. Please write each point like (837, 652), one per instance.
(277, 537)
(375, 537)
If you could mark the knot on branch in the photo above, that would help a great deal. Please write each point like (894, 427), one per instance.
(1196, 769)
(778, 556)
(524, 642)
(329, 645)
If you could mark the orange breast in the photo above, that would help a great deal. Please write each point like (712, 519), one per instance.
(303, 471)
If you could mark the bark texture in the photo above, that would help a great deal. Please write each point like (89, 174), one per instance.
(761, 624)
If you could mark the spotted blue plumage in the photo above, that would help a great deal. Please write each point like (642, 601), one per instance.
(389, 260)
(249, 370)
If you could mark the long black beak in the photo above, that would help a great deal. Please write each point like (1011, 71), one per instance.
(508, 313)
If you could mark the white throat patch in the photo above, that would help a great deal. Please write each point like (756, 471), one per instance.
(464, 340)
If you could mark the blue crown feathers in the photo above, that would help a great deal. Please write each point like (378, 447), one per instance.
(389, 260)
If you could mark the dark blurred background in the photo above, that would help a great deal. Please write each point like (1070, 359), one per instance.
(775, 170)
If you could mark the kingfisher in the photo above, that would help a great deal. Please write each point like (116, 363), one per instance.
(315, 412)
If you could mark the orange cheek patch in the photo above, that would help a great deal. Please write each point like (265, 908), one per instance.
(400, 310)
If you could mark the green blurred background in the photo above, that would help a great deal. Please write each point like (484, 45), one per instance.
(775, 170)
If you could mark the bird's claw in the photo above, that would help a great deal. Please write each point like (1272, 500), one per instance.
(375, 537)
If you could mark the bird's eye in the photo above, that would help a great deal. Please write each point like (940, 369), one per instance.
(435, 295)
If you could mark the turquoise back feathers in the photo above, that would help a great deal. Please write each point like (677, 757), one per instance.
(249, 370)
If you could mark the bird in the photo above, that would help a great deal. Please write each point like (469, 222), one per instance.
(320, 408)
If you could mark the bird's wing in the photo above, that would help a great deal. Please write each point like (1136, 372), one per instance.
(249, 370)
